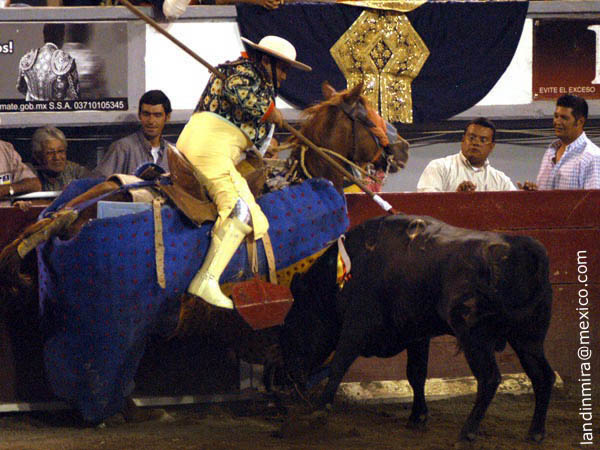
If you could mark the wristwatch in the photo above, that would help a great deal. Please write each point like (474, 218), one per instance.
(11, 190)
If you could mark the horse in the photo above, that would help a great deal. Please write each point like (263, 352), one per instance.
(413, 278)
(342, 114)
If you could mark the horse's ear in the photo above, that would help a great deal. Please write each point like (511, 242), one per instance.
(328, 90)
(353, 94)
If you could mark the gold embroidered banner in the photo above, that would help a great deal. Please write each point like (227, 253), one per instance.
(393, 5)
(383, 51)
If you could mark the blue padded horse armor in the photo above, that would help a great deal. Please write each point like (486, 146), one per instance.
(100, 299)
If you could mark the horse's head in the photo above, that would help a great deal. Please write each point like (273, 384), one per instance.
(346, 124)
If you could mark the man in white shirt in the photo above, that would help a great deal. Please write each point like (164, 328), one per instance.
(468, 170)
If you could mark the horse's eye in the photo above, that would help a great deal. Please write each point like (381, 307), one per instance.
(364, 118)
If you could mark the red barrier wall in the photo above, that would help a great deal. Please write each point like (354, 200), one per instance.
(566, 222)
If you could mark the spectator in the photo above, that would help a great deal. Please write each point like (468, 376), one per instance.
(48, 73)
(145, 145)
(15, 176)
(49, 150)
(572, 161)
(468, 170)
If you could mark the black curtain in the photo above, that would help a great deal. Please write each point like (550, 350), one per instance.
(471, 45)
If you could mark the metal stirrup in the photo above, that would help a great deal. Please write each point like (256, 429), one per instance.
(241, 211)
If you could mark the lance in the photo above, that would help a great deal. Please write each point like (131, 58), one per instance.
(376, 198)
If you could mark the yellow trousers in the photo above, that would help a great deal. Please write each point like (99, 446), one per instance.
(213, 145)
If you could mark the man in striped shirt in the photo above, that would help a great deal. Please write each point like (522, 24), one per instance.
(572, 161)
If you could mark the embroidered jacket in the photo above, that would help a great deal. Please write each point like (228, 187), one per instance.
(48, 73)
(245, 97)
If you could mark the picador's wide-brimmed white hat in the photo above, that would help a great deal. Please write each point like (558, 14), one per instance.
(279, 48)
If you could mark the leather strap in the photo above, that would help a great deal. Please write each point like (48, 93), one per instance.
(159, 245)
(252, 254)
(253, 257)
(270, 258)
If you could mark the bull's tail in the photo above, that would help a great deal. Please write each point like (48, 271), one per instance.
(14, 277)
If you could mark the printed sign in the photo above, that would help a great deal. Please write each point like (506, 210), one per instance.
(565, 58)
(58, 67)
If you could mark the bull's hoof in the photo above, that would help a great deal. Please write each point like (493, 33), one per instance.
(151, 414)
(463, 445)
(467, 438)
(113, 421)
(417, 423)
(134, 414)
(300, 424)
(275, 409)
(536, 437)
(292, 428)
(318, 418)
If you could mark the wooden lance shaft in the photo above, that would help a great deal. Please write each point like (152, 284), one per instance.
(376, 198)
(172, 38)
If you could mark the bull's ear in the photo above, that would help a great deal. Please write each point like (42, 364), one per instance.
(353, 94)
(328, 90)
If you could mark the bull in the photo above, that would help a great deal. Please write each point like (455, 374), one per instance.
(414, 278)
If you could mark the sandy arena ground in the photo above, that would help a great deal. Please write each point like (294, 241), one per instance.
(251, 425)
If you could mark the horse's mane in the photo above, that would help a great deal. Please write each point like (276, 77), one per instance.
(320, 112)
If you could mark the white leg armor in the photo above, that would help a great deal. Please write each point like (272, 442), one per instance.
(225, 241)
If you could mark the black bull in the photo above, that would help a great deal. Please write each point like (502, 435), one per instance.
(413, 278)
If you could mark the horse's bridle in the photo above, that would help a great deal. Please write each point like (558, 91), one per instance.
(358, 115)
